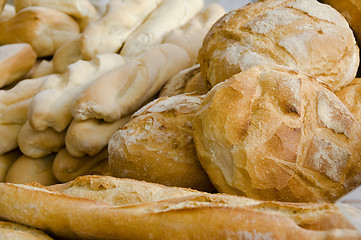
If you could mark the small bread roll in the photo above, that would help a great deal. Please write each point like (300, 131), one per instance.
(9, 135)
(16, 231)
(26, 169)
(351, 97)
(6, 160)
(67, 54)
(302, 34)
(157, 145)
(15, 60)
(276, 133)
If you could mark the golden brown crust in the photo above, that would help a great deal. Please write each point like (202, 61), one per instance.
(15, 231)
(275, 133)
(306, 35)
(109, 208)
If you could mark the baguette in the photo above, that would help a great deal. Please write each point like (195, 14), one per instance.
(94, 207)
(15, 231)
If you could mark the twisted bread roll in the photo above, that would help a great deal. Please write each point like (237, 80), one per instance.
(109, 32)
(43, 28)
(170, 14)
(93, 207)
(275, 133)
(11, 69)
(90, 136)
(50, 107)
(159, 136)
(26, 169)
(6, 160)
(302, 34)
(15, 231)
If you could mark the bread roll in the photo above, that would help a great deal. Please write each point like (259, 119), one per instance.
(44, 29)
(351, 96)
(26, 169)
(67, 54)
(43, 68)
(93, 207)
(9, 136)
(8, 12)
(275, 133)
(302, 34)
(157, 145)
(15, 61)
(6, 160)
(15, 231)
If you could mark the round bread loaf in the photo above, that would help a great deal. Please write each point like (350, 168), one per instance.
(157, 145)
(302, 34)
(274, 133)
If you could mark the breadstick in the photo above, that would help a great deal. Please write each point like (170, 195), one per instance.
(6, 160)
(90, 136)
(51, 106)
(67, 167)
(39, 144)
(169, 15)
(108, 33)
(44, 29)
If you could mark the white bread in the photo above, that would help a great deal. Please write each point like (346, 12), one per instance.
(26, 169)
(302, 34)
(44, 29)
(93, 207)
(159, 136)
(15, 61)
(67, 54)
(90, 136)
(6, 160)
(108, 33)
(67, 167)
(15, 231)
(351, 96)
(37, 144)
(50, 107)
(169, 15)
(275, 133)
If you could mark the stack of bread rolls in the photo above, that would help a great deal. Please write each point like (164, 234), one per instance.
(170, 119)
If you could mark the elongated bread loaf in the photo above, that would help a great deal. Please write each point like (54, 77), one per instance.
(94, 207)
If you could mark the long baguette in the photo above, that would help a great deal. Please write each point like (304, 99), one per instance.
(94, 207)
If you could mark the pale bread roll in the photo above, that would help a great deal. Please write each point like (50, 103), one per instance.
(6, 160)
(44, 29)
(67, 54)
(9, 137)
(351, 97)
(93, 207)
(8, 12)
(302, 34)
(90, 136)
(38, 144)
(67, 167)
(169, 15)
(26, 169)
(108, 33)
(157, 145)
(275, 133)
(15, 61)
(43, 68)
(15, 231)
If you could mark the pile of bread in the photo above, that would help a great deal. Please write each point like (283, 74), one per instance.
(171, 119)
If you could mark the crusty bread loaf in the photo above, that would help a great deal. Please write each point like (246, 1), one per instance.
(302, 34)
(15, 231)
(26, 169)
(15, 61)
(275, 133)
(93, 207)
(351, 96)
(44, 29)
(6, 160)
(159, 136)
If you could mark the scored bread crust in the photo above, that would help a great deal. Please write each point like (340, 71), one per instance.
(275, 133)
(302, 34)
(94, 207)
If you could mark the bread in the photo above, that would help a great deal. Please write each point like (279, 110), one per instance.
(2, 4)
(26, 169)
(157, 145)
(275, 133)
(6, 160)
(90, 136)
(15, 231)
(44, 29)
(43, 68)
(169, 15)
(50, 107)
(67, 54)
(108, 33)
(67, 167)
(8, 143)
(351, 96)
(302, 34)
(93, 207)
(8, 12)
(37, 144)
(11, 69)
